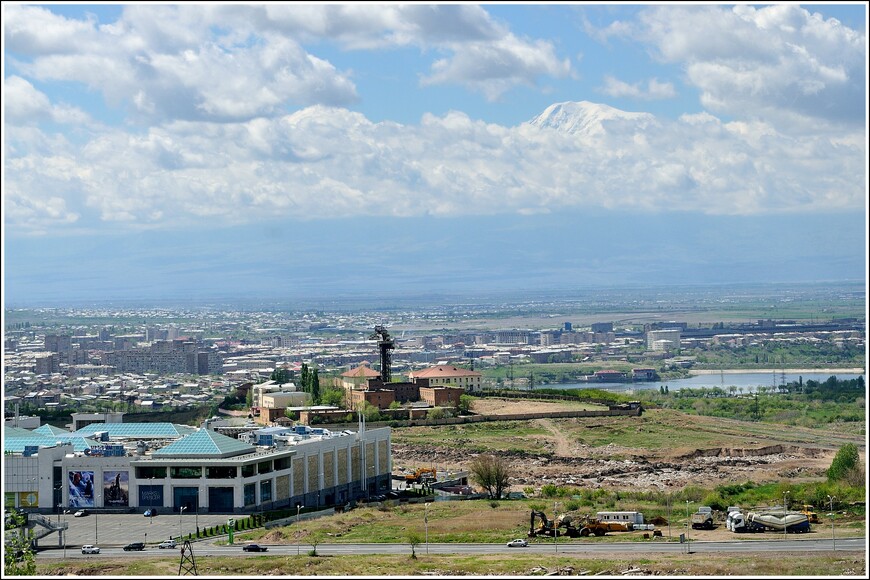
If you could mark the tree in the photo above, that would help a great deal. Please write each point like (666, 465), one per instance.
(332, 397)
(414, 540)
(303, 379)
(845, 461)
(280, 376)
(491, 473)
(18, 558)
(465, 404)
(315, 386)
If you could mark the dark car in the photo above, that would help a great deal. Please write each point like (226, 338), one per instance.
(134, 546)
(254, 548)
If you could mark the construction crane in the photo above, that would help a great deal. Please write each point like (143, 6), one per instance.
(385, 345)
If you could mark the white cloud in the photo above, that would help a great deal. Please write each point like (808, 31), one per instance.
(201, 61)
(172, 62)
(654, 89)
(494, 67)
(780, 63)
(24, 104)
(331, 162)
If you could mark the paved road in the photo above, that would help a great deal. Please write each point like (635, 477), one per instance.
(117, 530)
(114, 531)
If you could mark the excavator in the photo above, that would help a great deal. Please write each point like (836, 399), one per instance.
(424, 474)
(587, 526)
(550, 528)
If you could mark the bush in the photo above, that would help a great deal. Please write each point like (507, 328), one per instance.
(715, 501)
(845, 460)
(549, 490)
(572, 505)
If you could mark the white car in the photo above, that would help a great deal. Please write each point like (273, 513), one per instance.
(90, 549)
(518, 543)
(80, 514)
(166, 544)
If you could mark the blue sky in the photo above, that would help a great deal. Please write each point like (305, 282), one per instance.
(305, 150)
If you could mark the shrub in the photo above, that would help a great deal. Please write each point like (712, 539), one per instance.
(845, 460)
(549, 490)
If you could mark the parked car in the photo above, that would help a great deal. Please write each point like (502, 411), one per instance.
(254, 548)
(167, 544)
(139, 546)
(90, 549)
(151, 512)
(80, 514)
(518, 543)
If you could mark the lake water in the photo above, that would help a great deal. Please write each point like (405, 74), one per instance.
(748, 381)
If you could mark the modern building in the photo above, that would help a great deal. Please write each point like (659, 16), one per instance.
(667, 340)
(136, 466)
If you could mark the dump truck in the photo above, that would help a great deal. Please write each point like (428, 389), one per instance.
(703, 519)
(594, 526)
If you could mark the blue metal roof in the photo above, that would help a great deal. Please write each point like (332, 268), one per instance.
(137, 430)
(205, 443)
(50, 430)
(17, 444)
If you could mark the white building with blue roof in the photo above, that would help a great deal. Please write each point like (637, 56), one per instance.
(170, 467)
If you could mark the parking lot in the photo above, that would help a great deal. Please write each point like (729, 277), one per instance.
(107, 530)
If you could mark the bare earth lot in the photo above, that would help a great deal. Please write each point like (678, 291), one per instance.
(661, 450)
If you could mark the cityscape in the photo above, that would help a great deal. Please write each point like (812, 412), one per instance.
(400, 290)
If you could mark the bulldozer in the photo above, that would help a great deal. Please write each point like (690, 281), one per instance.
(811, 514)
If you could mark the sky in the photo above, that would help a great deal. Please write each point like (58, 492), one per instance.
(290, 151)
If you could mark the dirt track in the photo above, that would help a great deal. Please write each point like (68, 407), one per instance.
(778, 453)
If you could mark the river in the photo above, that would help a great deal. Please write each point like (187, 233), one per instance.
(748, 381)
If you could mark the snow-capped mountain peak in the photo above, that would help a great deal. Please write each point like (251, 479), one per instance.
(585, 118)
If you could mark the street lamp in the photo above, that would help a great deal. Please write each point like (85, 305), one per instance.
(785, 514)
(96, 520)
(298, 507)
(63, 535)
(669, 516)
(180, 511)
(151, 500)
(555, 527)
(831, 499)
(426, 522)
(687, 527)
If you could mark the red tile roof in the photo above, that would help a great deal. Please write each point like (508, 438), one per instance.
(361, 372)
(444, 371)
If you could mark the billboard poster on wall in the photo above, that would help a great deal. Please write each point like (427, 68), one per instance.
(116, 489)
(81, 488)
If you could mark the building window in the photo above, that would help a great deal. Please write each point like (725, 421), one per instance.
(248, 470)
(250, 494)
(149, 472)
(185, 472)
(221, 472)
(265, 491)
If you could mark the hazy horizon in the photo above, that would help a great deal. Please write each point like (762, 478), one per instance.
(201, 152)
